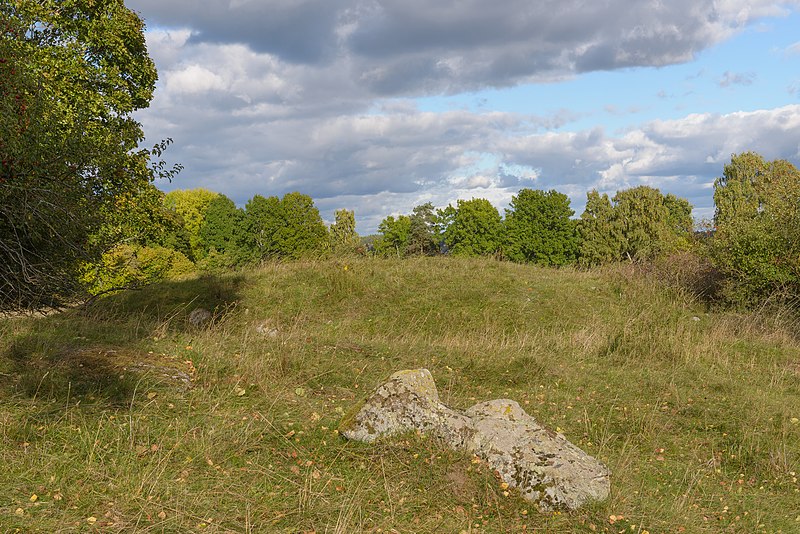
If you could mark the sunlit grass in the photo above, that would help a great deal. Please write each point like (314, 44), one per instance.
(695, 412)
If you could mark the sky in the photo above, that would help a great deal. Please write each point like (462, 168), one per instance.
(380, 105)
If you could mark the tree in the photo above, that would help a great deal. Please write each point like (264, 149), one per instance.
(757, 218)
(539, 228)
(476, 228)
(422, 230)
(71, 75)
(343, 237)
(302, 231)
(191, 206)
(644, 221)
(395, 235)
(262, 220)
(600, 234)
(220, 232)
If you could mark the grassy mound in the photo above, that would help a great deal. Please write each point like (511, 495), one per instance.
(122, 417)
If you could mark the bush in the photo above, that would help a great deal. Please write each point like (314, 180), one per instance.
(128, 266)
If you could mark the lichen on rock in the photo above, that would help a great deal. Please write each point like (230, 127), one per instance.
(545, 467)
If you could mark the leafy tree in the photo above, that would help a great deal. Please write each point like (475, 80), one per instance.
(640, 224)
(422, 232)
(644, 221)
(262, 220)
(221, 229)
(600, 234)
(476, 228)
(71, 75)
(191, 206)
(343, 237)
(757, 240)
(539, 228)
(395, 236)
(302, 231)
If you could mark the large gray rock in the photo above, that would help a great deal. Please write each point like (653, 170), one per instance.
(545, 467)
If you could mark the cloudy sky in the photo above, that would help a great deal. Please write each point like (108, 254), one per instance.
(381, 105)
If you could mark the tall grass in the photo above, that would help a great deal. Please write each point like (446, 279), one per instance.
(695, 411)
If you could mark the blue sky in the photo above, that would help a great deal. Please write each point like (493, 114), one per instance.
(380, 105)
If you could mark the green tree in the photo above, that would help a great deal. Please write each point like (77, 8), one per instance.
(600, 234)
(191, 206)
(422, 232)
(220, 232)
(71, 75)
(652, 224)
(539, 228)
(263, 219)
(303, 230)
(395, 235)
(476, 229)
(757, 240)
(343, 237)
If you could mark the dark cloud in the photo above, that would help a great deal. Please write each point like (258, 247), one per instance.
(412, 47)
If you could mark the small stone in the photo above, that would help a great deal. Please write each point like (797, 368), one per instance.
(199, 317)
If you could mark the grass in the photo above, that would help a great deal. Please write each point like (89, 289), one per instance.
(695, 412)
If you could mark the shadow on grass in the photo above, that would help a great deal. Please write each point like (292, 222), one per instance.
(102, 350)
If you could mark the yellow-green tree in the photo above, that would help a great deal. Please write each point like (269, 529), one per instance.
(191, 206)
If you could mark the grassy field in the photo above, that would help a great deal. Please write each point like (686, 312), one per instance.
(695, 412)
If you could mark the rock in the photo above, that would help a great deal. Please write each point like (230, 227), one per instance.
(545, 467)
(199, 317)
(266, 329)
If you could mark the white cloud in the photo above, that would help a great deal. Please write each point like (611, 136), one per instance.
(194, 79)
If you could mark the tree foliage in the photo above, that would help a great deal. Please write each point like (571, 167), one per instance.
(191, 205)
(71, 75)
(539, 228)
(343, 236)
(303, 231)
(475, 228)
(263, 217)
(639, 224)
(423, 238)
(395, 235)
(757, 240)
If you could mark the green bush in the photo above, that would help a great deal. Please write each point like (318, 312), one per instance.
(757, 241)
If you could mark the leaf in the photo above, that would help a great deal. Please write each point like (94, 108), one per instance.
(34, 498)
(300, 392)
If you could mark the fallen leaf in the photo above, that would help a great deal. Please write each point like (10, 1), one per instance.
(152, 395)
(34, 498)
(19, 511)
(162, 514)
(300, 392)
(91, 520)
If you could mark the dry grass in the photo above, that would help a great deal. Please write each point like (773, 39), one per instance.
(694, 411)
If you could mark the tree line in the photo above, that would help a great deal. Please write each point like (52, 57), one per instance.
(79, 209)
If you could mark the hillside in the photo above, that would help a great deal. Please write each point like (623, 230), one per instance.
(122, 417)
